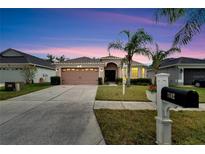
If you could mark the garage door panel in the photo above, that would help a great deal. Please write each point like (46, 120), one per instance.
(193, 74)
(77, 76)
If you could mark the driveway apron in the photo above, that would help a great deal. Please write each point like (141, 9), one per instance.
(57, 115)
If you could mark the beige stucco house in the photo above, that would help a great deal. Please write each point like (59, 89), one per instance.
(85, 70)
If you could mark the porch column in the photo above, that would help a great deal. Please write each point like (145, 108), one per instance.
(58, 71)
(119, 75)
(139, 72)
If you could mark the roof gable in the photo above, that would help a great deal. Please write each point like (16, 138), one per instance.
(15, 56)
(11, 53)
(110, 57)
(180, 61)
(83, 60)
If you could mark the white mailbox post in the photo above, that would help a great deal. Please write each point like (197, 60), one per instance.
(163, 122)
(170, 98)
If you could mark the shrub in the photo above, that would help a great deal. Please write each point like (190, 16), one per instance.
(152, 88)
(100, 82)
(141, 81)
(55, 80)
(118, 81)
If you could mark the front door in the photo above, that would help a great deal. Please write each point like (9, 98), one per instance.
(110, 75)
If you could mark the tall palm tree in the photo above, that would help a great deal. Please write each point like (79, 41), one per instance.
(158, 56)
(135, 44)
(194, 19)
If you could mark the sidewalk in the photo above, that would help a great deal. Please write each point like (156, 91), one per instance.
(124, 105)
(127, 105)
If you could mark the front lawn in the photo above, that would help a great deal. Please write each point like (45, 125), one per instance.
(132, 93)
(25, 90)
(201, 91)
(138, 127)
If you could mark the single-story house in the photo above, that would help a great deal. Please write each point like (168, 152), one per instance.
(85, 70)
(182, 70)
(12, 62)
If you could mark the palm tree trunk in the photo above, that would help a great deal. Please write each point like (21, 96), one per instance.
(129, 70)
(155, 78)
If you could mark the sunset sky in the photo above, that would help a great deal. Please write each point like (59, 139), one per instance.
(85, 32)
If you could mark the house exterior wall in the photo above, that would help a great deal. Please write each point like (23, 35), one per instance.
(11, 75)
(14, 74)
(102, 67)
(173, 71)
(44, 73)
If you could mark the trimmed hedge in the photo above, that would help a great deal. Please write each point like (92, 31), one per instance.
(139, 81)
(55, 80)
(118, 81)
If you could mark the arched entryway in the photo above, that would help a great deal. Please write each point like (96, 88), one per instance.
(110, 72)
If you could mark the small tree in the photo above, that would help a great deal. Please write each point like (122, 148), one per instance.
(61, 58)
(51, 58)
(29, 72)
(158, 56)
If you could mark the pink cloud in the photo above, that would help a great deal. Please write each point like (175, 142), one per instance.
(117, 17)
(73, 52)
(90, 51)
(191, 53)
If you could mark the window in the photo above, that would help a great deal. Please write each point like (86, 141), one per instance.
(134, 72)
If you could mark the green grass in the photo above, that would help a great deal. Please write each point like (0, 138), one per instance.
(138, 127)
(136, 93)
(201, 91)
(25, 90)
(132, 93)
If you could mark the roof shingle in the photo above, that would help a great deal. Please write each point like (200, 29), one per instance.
(181, 60)
(24, 58)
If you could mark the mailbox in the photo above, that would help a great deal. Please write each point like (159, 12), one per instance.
(184, 98)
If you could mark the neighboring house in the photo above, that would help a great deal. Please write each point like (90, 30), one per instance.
(85, 70)
(12, 62)
(182, 70)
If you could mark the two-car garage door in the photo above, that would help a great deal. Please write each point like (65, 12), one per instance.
(76, 76)
(193, 74)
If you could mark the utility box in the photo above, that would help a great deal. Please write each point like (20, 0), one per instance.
(10, 86)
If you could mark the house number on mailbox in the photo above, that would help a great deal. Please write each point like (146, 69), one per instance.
(171, 95)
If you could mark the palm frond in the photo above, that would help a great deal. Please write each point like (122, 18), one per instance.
(191, 28)
(141, 38)
(172, 14)
(116, 45)
(127, 33)
(173, 50)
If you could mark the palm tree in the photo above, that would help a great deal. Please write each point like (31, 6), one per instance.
(158, 56)
(194, 19)
(51, 58)
(135, 44)
(61, 58)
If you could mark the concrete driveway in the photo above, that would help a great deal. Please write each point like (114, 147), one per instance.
(57, 115)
